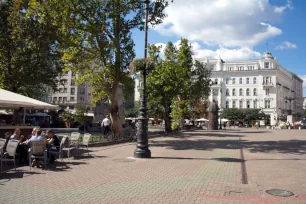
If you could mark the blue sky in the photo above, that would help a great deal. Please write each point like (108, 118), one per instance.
(236, 30)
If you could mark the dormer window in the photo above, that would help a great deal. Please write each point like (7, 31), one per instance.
(267, 65)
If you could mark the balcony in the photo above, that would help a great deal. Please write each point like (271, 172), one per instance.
(267, 84)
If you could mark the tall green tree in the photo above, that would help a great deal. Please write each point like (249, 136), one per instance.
(98, 44)
(29, 54)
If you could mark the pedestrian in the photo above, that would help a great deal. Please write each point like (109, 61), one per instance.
(106, 123)
(257, 125)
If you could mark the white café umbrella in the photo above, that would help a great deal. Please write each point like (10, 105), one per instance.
(202, 120)
(11, 100)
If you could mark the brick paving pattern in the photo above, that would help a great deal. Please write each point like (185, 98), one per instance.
(190, 167)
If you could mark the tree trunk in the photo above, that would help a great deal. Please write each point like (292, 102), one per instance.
(117, 110)
(167, 119)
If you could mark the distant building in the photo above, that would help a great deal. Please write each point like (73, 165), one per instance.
(262, 84)
(304, 103)
(69, 95)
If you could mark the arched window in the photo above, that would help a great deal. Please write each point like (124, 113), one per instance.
(234, 104)
(240, 81)
(216, 81)
(227, 104)
(234, 81)
(240, 92)
(248, 104)
(227, 92)
(240, 104)
(234, 92)
(248, 92)
(255, 92)
(255, 104)
(247, 80)
(254, 80)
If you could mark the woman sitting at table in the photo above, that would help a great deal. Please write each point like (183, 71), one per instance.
(22, 149)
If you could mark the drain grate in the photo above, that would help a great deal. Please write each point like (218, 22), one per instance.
(124, 160)
(279, 192)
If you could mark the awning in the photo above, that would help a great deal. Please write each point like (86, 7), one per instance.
(11, 100)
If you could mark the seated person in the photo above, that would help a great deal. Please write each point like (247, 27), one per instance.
(16, 135)
(53, 144)
(36, 137)
(22, 149)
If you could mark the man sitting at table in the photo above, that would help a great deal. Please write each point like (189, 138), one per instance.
(36, 137)
(53, 144)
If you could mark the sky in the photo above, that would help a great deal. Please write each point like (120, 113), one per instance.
(236, 30)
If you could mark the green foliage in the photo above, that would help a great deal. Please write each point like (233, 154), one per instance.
(233, 114)
(177, 81)
(80, 114)
(304, 113)
(248, 115)
(67, 116)
(29, 50)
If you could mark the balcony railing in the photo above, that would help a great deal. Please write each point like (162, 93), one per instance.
(266, 84)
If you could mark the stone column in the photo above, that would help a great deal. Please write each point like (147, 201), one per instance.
(213, 111)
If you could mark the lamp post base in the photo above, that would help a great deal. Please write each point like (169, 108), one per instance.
(142, 153)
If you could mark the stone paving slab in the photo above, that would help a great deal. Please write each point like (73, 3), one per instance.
(190, 167)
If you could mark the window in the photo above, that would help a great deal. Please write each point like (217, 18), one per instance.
(63, 81)
(233, 81)
(240, 92)
(240, 68)
(255, 92)
(72, 99)
(72, 91)
(229, 68)
(248, 92)
(267, 65)
(65, 90)
(54, 99)
(267, 92)
(216, 81)
(254, 80)
(81, 98)
(240, 104)
(267, 103)
(215, 92)
(255, 104)
(72, 82)
(226, 81)
(234, 92)
(59, 99)
(60, 90)
(227, 104)
(234, 104)
(248, 104)
(64, 99)
(227, 92)
(247, 80)
(72, 73)
(240, 81)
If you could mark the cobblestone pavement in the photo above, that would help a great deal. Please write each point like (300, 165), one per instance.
(190, 167)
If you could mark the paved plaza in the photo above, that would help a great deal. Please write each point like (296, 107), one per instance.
(226, 166)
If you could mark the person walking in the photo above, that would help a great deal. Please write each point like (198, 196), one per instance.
(106, 123)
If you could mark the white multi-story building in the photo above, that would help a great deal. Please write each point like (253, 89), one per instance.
(262, 84)
(69, 95)
(304, 103)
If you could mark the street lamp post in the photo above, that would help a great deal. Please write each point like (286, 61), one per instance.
(142, 147)
(220, 109)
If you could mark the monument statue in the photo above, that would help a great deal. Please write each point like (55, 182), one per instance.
(213, 115)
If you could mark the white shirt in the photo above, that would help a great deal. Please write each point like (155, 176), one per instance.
(106, 122)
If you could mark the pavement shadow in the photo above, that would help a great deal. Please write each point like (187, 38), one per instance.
(285, 147)
(18, 174)
(63, 165)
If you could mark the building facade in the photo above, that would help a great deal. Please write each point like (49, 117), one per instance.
(262, 84)
(69, 95)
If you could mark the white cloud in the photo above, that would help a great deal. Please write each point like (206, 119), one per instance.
(286, 45)
(227, 23)
(226, 54)
(281, 9)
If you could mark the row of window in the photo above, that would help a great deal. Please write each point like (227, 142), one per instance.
(65, 82)
(66, 73)
(62, 99)
(248, 104)
(240, 68)
(241, 92)
(240, 80)
(64, 90)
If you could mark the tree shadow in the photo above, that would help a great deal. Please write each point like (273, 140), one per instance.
(63, 165)
(18, 174)
(287, 146)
